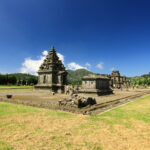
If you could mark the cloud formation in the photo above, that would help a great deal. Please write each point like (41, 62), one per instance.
(31, 66)
(75, 66)
(45, 52)
(61, 57)
(88, 65)
(100, 65)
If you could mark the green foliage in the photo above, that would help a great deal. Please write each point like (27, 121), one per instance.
(7, 79)
(18, 79)
(3, 79)
(26, 79)
(75, 77)
(12, 79)
(141, 80)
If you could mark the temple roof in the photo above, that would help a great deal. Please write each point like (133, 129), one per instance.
(115, 73)
(52, 62)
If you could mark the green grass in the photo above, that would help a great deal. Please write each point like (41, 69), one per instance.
(131, 111)
(5, 146)
(52, 126)
(15, 87)
(122, 113)
(7, 109)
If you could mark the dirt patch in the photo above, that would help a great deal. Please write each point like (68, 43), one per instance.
(45, 99)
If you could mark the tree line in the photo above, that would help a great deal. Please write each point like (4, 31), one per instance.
(74, 77)
(142, 80)
(17, 79)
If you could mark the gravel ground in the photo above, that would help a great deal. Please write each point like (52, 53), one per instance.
(44, 98)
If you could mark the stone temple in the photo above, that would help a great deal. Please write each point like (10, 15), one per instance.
(116, 78)
(96, 84)
(52, 74)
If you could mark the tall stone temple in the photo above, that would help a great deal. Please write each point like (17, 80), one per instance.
(116, 78)
(52, 74)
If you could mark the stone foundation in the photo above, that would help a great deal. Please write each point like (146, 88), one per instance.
(56, 89)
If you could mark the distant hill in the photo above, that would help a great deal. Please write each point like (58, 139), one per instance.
(22, 76)
(74, 77)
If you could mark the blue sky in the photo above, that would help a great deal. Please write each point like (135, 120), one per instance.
(96, 34)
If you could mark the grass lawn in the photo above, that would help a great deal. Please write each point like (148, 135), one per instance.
(123, 128)
(14, 87)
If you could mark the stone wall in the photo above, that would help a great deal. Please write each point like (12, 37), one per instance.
(96, 84)
(89, 84)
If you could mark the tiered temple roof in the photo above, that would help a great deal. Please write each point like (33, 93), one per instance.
(51, 62)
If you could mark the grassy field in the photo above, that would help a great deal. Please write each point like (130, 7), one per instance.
(14, 87)
(123, 128)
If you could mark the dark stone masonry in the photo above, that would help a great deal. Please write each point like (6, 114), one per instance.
(52, 74)
(95, 83)
(116, 79)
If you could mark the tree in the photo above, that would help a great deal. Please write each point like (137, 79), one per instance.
(32, 81)
(3, 79)
(11, 79)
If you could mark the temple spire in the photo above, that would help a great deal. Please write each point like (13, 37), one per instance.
(52, 49)
(52, 62)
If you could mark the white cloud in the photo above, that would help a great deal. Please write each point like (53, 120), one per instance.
(75, 66)
(88, 65)
(31, 66)
(45, 52)
(61, 57)
(100, 65)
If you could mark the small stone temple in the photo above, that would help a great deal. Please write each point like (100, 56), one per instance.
(52, 74)
(116, 78)
(96, 83)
